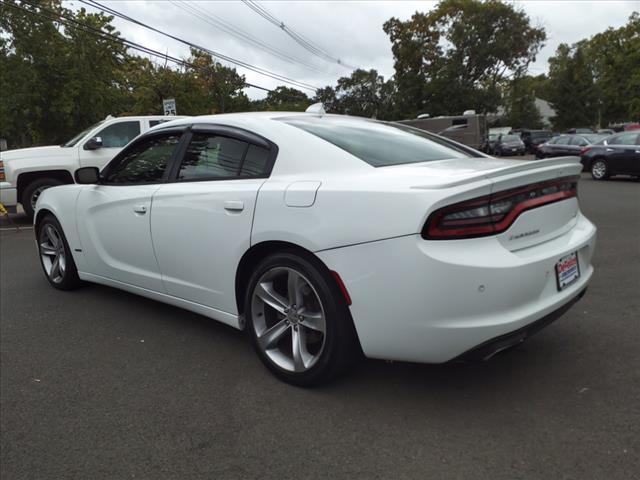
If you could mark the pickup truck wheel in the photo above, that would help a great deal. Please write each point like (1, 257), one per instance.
(32, 192)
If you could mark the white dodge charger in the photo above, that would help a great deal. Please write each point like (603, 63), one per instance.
(326, 236)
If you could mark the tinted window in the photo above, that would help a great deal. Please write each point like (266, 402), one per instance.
(212, 156)
(510, 138)
(561, 140)
(623, 139)
(255, 162)
(153, 123)
(79, 136)
(144, 162)
(119, 134)
(377, 143)
(580, 141)
(538, 135)
(459, 121)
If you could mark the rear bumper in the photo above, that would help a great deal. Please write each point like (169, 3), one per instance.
(421, 301)
(8, 194)
(488, 349)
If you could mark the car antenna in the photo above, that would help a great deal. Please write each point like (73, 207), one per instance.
(316, 108)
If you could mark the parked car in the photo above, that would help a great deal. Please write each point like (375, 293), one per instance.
(579, 130)
(617, 154)
(29, 171)
(606, 131)
(509, 145)
(533, 138)
(489, 143)
(567, 145)
(326, 236)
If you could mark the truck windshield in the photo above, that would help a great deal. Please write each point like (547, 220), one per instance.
(79, 136)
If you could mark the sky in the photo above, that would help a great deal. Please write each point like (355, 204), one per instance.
(347, 30)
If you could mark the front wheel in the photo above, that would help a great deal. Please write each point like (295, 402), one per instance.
(55, 255)
(599, 170)
(298, 320)
(33, 191)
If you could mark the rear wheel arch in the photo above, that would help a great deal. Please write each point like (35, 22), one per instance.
(255, 255)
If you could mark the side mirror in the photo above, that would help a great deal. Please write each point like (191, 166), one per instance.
(87, 175)
(93, 143)
(3, 145)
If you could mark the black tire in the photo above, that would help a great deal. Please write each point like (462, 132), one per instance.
(340, 348)
(35, 188)
(67, 277)
(599, 169)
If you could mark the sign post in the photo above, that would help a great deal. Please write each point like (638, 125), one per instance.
(169, 106)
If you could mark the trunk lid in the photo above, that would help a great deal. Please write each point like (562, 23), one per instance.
(532, 226)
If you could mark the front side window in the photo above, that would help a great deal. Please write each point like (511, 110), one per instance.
(144, 162)
(119, 134)
(379, 144)
(80, 136)
(211, 156)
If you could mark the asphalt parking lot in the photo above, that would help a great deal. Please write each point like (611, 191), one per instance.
(98, 383)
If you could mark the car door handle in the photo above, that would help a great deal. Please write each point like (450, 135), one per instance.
(140, 209)
(234, 205)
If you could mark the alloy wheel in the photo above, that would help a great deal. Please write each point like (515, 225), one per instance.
(599, 169)
(288, 319)
(52, 253)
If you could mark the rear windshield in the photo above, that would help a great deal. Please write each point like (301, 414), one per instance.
(540, 135)
(379, 144)
(510, 138)
(595, 137)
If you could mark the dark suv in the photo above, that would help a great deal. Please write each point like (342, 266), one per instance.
(617, 154)
(533, 138)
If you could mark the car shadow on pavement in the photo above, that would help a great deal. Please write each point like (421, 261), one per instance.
(384, 379)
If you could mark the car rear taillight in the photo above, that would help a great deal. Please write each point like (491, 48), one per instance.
(584, 150)
(495, 213)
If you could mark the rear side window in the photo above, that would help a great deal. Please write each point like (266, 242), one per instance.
(580, 141)
(379, 144)
(623, 139)
(561, 140)
(211, 156)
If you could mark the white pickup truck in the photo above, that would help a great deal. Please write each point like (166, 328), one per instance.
(26, 172)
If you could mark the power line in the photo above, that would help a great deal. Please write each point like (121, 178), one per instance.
(240, 63)
(225, 26)
(297, 37)
(73, 23)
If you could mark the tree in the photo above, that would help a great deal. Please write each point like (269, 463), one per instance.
(521, 110)
(363, 93)
(572, 92)
(284, 99)
(455, 57)
(597, 81)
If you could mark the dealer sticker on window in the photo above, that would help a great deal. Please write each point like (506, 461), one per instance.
(567, 270)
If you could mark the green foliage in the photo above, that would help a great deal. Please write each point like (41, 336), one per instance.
(521, 110)
(596, 82)
(284, 99)
(454, 57)
(57, 80)
(363, 94)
